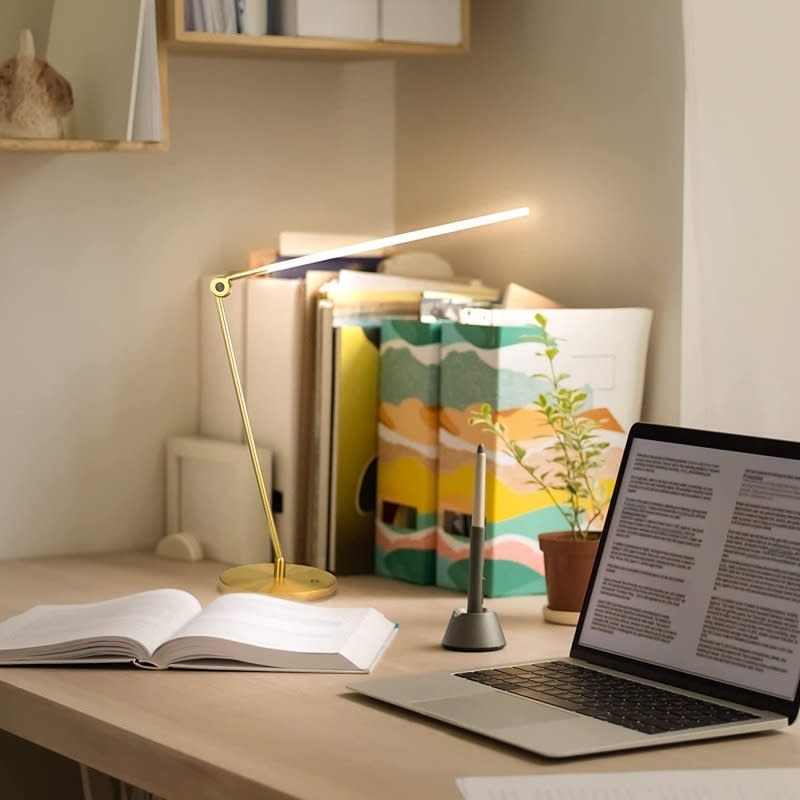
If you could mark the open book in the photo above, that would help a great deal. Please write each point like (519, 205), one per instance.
(169, 628)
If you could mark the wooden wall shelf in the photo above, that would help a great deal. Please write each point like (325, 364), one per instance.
(273, 46)
(108, 146)
(172, 35)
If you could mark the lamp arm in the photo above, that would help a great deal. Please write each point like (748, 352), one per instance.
(279, 560)
(221, 285)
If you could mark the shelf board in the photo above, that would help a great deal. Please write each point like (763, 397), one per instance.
(299, 46)
(79, 145)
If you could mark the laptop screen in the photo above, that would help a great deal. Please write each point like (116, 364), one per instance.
(699, 570)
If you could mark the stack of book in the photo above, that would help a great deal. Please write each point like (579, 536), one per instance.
(228, 16)
(350, 310)
(361, 382)
(308, 352)
(433, 377)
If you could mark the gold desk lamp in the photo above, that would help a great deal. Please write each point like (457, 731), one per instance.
(296, 581)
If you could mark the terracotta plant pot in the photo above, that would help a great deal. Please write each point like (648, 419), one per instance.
(567, 567)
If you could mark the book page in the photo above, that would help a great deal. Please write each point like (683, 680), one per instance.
(269, 624)
(147, 618)
(718, 784)
(699, 571)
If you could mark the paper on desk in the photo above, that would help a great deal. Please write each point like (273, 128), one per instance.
(711, 784)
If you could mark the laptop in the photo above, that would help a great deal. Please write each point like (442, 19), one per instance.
(690, 627)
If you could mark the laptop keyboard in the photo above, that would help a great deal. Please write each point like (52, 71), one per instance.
(639, 706)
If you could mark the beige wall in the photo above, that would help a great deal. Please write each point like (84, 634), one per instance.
(574, 107)
(742, 206)
(100, 256)
(18, 14)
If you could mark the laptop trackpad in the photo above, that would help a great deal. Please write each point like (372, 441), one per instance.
(490, 710)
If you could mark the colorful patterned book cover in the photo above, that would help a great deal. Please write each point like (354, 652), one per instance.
(408, 447)
(497, 365)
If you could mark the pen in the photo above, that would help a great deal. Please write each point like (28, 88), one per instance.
(476, 534)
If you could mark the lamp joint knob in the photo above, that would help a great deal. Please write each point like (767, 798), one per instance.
(220, 286)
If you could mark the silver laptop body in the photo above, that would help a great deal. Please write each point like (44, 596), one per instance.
(695, 592)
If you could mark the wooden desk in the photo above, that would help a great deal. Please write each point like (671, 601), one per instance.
(237, 736)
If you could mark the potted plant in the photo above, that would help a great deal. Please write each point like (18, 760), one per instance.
(568, 476)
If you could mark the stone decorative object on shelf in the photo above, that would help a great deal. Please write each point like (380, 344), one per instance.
(34, 98)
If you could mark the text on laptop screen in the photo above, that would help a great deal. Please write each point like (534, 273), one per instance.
(700, 570)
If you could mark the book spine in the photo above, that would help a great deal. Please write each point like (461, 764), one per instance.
(273, 359)
(481, 364)
(266, 320)
(354, 447)
(322, 421)
(253, 17)
(408, 450)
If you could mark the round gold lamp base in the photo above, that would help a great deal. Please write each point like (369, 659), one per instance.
(299, 583)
